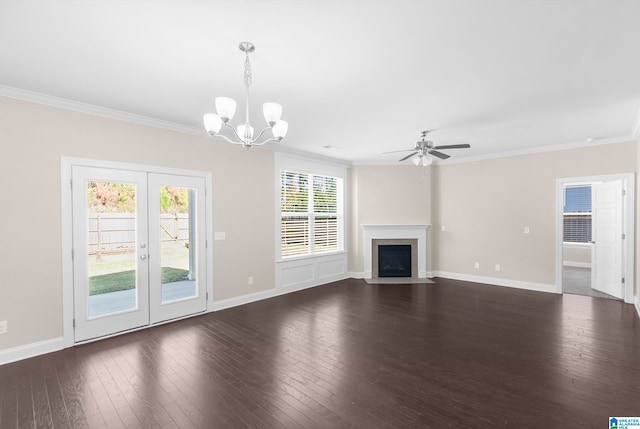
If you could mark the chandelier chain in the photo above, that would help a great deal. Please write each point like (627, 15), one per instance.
(247, 71)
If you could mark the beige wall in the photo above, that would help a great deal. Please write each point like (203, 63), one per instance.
(485, 206)
(398, 194)
(32, 140)
(476, 202)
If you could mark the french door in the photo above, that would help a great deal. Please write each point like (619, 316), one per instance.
(138, 249)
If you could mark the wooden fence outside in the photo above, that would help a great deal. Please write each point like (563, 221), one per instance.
(114, 233)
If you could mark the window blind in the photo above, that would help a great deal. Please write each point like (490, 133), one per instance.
(310, 213)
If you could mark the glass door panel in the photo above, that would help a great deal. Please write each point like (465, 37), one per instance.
(111, 247)
(110, 251)
(177, 266)
(177, 244)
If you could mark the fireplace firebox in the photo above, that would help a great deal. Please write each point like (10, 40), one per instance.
(394, 260)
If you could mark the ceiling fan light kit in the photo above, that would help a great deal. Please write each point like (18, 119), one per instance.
(422, 160)
(244, 133)
(424, 151)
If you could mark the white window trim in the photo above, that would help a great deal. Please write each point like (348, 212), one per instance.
(302, 165)
(302, 271)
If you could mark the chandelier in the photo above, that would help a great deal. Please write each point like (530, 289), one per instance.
(244, 134)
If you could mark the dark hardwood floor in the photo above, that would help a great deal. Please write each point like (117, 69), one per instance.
(350, 354)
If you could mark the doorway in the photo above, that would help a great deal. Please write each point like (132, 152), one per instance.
(595, 236)
(139, 252)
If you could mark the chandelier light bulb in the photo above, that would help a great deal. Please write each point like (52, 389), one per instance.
(272, 112)
(280, 129)
(245, 132)
(226, 108)
(212, 123)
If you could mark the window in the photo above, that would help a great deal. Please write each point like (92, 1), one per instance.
(577, 214)
(311, 213)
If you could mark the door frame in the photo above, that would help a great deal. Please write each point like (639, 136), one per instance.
(66, 165)
(628, 228)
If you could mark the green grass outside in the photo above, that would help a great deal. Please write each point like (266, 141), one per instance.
(125, 280)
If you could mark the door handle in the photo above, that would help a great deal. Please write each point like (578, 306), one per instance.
(143, 257)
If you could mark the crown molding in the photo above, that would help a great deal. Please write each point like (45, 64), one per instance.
(541, 149)
(91, 109)
(281, 148)
(519, 152)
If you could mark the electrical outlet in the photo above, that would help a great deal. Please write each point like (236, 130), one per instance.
(497, 267)
(443, 227)
(476, 265)
(526, 230)
(250, 280)
(4, 328)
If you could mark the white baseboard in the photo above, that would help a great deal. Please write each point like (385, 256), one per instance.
(270, 293)
(47, 346)
(31, 350)
(576, 264)
(637, 304)
(539, 287)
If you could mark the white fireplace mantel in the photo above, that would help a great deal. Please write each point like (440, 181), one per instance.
(413, 232)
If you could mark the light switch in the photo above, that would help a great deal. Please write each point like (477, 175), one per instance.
(219, 235)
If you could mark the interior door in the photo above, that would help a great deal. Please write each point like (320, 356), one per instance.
(109, 251)
(606, 249)
(177, 265)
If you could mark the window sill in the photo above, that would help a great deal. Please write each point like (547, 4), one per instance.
(574, 244)
(314, 256)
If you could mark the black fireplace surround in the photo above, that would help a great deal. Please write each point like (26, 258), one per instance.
(394, 260)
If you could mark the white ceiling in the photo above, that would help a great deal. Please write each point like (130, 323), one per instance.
(364, 77)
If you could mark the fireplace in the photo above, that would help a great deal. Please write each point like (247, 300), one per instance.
(394, 257)
(394, 260)
(412, 235)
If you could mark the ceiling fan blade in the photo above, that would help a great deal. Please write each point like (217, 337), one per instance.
(438, 154)
(397, 151)
(408, 156)
(454, 146)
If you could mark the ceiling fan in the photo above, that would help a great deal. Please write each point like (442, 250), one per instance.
(425, 147)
